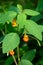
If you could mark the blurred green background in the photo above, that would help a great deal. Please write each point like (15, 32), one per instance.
(31, 4)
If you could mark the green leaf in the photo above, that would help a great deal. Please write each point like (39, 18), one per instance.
(25, 62)
(37, 18)
(33, 29)
(19, 7)
(7, 16)
(10, 42)
(13, 8)
(40, 6)
(9, 61)
(29, 55)
(39, 62)
(41, 27)
(21, 18)
(31, 12)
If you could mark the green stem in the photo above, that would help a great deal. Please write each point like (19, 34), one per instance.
(39, 43)
(2, 32)
(37, 40)
(18, 54)
(5, 29)
(14, 59)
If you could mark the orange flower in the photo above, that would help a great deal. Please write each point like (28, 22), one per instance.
(25, 38)
(14, 24)
(11, 52)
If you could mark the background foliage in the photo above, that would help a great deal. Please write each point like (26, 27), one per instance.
(32, 51)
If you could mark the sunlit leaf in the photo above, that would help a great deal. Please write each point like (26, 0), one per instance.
(41, 27)
(10, 42)
(7, 16)
(21, 18)
(33, 29)
(19, 7)
(31, 12)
